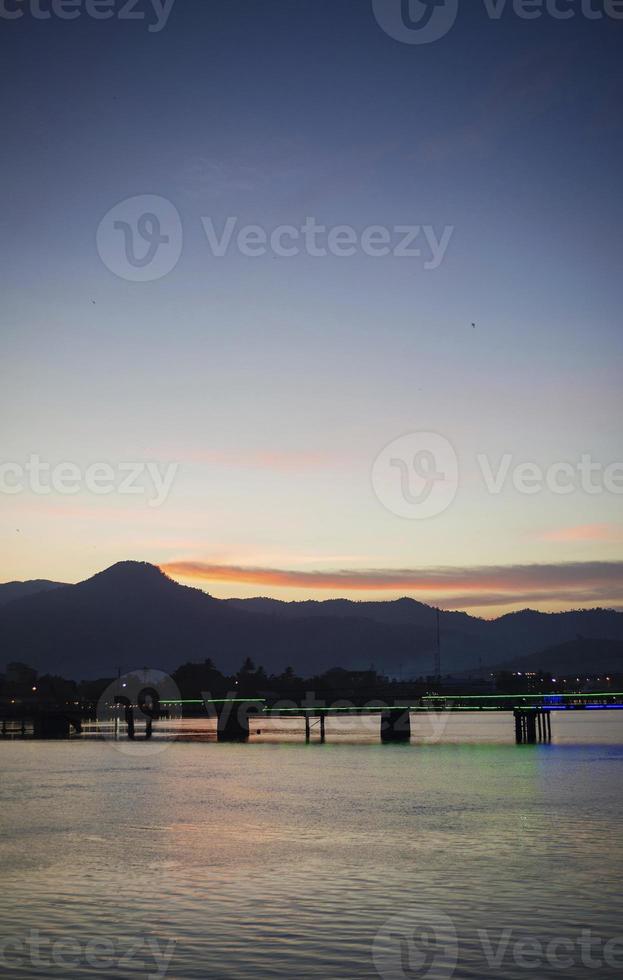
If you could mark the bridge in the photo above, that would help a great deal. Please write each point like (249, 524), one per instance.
(531, 713)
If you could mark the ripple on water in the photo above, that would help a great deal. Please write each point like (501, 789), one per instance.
(268, 861)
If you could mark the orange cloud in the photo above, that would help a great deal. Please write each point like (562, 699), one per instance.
(562, 580)
(585, 532)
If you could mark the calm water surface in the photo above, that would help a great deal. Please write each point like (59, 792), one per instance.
(466, 857)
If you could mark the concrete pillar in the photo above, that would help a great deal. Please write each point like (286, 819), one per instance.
(395, 725)
(129, 719)
(50, 726)
(233, 722)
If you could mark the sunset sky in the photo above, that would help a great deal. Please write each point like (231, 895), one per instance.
(272, 384)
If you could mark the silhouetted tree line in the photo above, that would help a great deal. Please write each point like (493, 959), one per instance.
(196, 679)
(360, 686)
(22, 682)
(253, 681)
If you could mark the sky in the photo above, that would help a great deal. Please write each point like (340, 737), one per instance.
(299, 302)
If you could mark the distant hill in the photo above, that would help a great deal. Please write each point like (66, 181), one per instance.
(573, 658)
(16, 590)
(132, 615)
(466, 641)
(396, 611)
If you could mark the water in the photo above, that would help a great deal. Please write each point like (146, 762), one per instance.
(351, 859)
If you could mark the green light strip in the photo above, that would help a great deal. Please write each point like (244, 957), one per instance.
(184, 701)
(233, 700)
(402, 707)
(414, 708)
(214, 701)
(390, 707)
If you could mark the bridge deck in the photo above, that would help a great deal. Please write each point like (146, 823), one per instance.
(427, 703)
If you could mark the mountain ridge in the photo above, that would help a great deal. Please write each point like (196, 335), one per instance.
(9, 591)
(133, 614)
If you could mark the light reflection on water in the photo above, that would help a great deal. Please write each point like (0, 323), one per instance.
(277, 859)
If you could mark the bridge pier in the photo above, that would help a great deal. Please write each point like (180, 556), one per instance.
(532, 725)
(395, 725)
(233, 719)
(50, 726)
(53, 725)
(308, 726)
(232, 726)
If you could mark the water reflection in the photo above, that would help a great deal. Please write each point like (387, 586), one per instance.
(276, 859)
(605, 727)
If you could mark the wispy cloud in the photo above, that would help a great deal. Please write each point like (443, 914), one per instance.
(263, 458)
(267, 459)
(585, 532)
(478, 585)
(553, 599)
(523, 88)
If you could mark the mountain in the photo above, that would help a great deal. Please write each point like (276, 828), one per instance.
(128, 615)
(467, 642)
(16, 590)
(132, 615)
